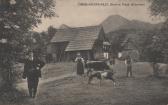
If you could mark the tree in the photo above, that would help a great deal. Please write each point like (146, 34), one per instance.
(116, 38)
(160, 8)
(17, 18)
(51, 32)
(156, 44)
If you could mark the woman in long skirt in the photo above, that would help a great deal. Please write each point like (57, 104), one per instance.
(80, 65)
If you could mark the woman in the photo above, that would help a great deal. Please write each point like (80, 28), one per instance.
(80, 64)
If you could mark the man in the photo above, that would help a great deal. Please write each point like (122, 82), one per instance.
(112, 61)
(32, 71)
(128, 63)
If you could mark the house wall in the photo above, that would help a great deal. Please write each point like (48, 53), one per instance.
(87, 55)
(98, 50)
(58, 51)
(59, 54)
(49, 49)
(98, 46)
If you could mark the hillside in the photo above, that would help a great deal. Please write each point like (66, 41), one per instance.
(64, 26)
(116, 22)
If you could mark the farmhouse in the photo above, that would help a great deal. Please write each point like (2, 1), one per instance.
(130, 48)
(86, 40)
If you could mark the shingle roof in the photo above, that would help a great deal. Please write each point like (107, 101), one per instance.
(80, 45)
(130, 42)
(63, 35)
(81, 38)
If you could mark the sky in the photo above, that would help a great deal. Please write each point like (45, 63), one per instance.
(80, 13)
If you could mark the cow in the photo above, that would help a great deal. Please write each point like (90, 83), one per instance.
(99, 70)
(96, 66)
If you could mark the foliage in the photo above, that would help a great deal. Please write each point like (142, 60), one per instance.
(137, 37)
(27, 13)
(155, 46)
(159, 7)
(116, 38)
(17, 18)
(156, 50)
(51, 32)
(39, 41)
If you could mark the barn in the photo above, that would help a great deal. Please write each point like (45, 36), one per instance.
(88, 41)
(130, 48)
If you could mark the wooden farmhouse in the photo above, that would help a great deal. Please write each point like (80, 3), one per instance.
(85, 40)
(130, 48)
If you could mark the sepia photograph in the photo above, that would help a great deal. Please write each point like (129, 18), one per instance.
(83, 52)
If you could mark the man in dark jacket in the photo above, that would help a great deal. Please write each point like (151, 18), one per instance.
(32, 71)
(128, 63)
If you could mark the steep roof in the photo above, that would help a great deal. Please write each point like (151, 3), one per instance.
(130, 42)
(77, 45)
(63, 35)
(81, 38)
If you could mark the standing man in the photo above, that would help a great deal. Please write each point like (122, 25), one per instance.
(128, 63)
(32, 71)
(112, 61)
(80, 64)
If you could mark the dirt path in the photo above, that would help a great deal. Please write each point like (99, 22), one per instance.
(23, 85)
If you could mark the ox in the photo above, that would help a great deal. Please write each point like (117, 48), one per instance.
(99, 70)
(96, 66)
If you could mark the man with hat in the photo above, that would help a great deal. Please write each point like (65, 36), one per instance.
(32, 71)
(128, 63)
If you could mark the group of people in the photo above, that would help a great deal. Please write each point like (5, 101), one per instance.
(80, 65)
(33, 65)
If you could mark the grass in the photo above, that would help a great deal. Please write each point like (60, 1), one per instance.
(142, 89)
(132, 91)
(57, 69)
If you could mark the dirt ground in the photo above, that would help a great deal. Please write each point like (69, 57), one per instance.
(142, 89)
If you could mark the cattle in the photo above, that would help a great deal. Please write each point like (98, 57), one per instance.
(102, 75)
(96, 66)
(99, 70)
